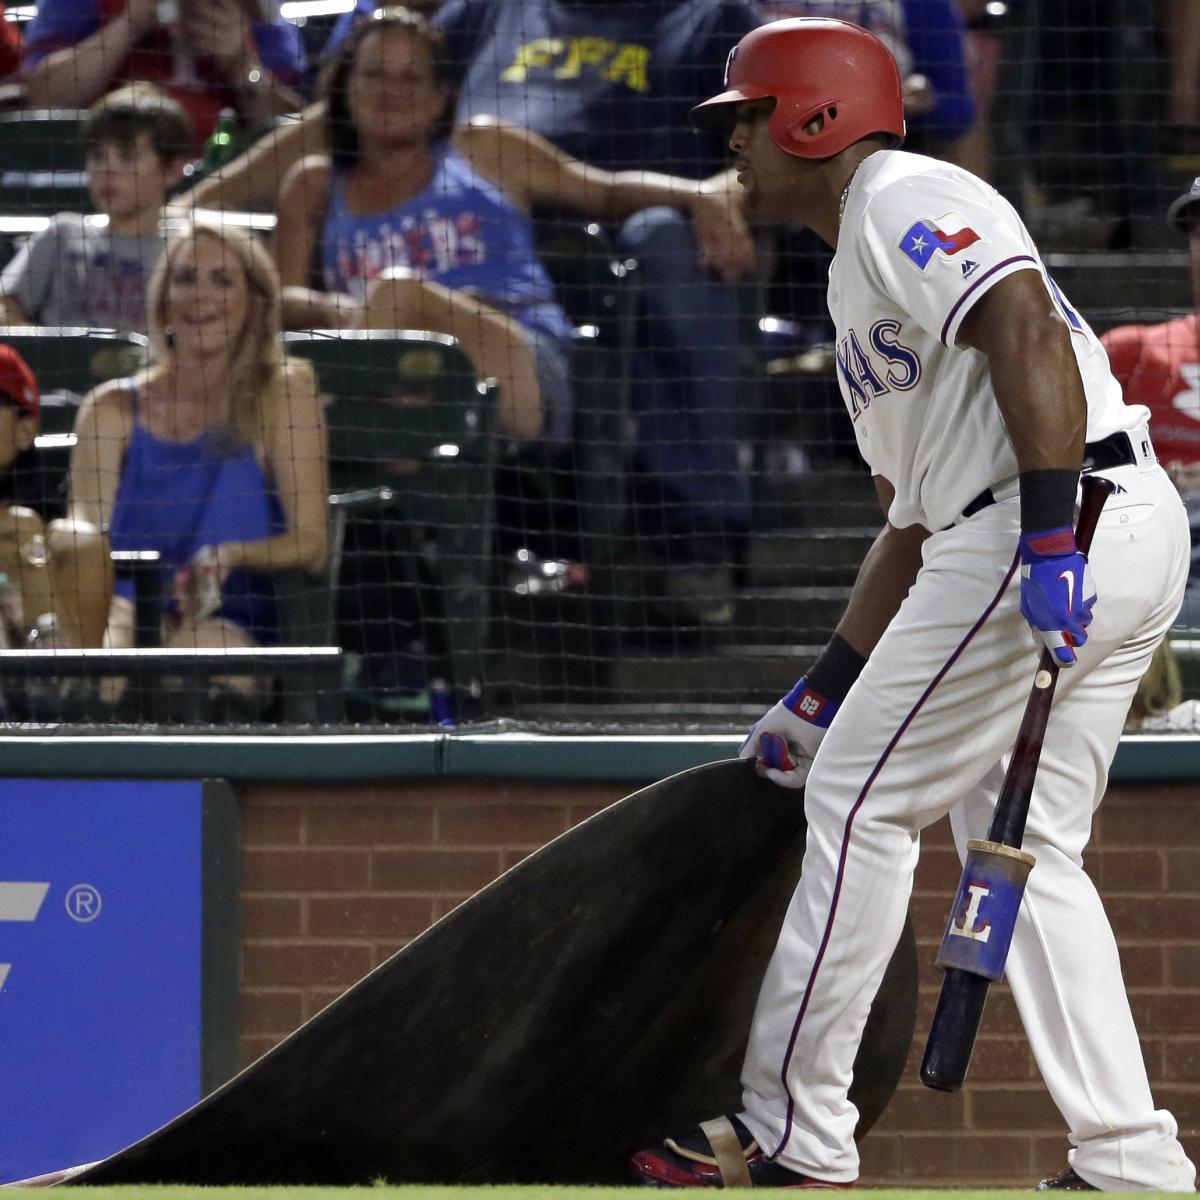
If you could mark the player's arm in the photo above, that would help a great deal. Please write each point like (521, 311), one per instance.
(1035, 376)
(1038, 389)
(784, 741)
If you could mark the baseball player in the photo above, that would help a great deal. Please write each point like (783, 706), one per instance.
(978, 396)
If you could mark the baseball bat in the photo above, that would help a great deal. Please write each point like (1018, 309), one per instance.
(964, 991)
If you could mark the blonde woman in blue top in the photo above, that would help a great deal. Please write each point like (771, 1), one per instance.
(215, 456)
(412, 228)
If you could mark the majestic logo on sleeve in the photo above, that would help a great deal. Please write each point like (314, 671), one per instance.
(927, 237)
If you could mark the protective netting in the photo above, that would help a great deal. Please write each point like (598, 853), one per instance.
(558, 437)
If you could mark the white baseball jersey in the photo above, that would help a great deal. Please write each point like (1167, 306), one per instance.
(921, 241)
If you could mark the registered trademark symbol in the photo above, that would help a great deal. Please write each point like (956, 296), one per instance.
(83, 903)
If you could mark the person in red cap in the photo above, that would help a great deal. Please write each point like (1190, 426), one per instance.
(1158, 365)
(978, 398)
(26, 594)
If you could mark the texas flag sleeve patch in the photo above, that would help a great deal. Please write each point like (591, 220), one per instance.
(922, 240)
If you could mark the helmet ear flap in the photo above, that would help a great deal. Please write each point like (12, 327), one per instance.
(814, 125)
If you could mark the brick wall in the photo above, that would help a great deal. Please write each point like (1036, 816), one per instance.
(335, 879)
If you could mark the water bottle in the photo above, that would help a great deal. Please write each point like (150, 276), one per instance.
(441, 704)
(218, 150)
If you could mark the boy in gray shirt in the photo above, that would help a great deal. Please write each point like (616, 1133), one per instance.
(79, 271)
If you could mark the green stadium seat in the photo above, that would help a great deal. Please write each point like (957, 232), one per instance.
(42, 162)
(598, 292)
(67, 363)
(70, 360)
(411, 438)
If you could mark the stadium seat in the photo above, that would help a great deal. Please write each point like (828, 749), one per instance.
(411, 442)
(41, 161)
(68, 362)
(598, 292)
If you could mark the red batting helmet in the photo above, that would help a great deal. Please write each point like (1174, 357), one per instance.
(812, 68)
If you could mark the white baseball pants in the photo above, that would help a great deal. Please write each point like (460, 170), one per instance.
(926, 731)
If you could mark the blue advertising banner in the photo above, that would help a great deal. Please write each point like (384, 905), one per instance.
(101, 912)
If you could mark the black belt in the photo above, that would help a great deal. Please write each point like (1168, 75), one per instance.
(1116, 450)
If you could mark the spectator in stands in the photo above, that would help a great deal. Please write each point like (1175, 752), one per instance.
(26, 592)
(364, 8)
(1158, 365)
(412, 230)
(80, 272)
(1159, 705)
(208, 54)
(937, 38)
(215, 456)
(611, 85)
(1183, 35)
(12, 49)
(983, 41)
(408, 235)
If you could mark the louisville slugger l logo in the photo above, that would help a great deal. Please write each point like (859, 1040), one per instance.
(20, 902)
(970, 926)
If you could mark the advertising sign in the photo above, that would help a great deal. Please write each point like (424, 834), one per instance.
(103, 993)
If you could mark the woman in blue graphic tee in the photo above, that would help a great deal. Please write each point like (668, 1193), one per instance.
(412, 229)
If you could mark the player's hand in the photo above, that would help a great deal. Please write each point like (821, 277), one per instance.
(724, 238)
(1057, 591)
(783, 742)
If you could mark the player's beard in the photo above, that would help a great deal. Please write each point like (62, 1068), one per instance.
(756, 202)
(751, 197)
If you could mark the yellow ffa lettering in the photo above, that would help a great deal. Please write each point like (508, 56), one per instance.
(584, 51)
(629, 67)
(539, 53)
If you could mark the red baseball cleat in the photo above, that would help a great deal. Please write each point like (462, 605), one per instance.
(718, 1153)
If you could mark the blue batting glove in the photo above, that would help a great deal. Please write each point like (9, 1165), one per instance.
(1057, 592)
(784, 741)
